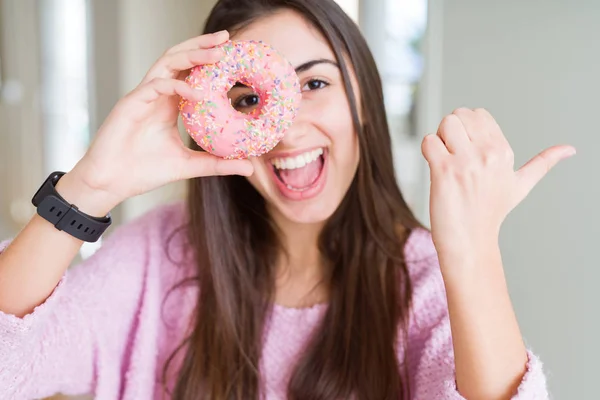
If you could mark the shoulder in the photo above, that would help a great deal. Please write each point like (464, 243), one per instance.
(143, 245)
(159, 219)
(152, 228)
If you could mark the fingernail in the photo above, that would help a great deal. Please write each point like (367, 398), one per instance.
(571, 151)
(220, 33)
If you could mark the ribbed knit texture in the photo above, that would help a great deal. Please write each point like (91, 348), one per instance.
(107, 328)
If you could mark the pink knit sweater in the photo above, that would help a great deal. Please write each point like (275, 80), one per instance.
(106, 329)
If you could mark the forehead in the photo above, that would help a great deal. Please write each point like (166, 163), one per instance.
(289, 33)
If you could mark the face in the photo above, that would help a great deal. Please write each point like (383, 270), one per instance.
(306, 176)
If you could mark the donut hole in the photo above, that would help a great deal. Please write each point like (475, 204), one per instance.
(245, 99)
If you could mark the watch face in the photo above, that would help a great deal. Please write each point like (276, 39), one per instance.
(47, 186)
(55, 177)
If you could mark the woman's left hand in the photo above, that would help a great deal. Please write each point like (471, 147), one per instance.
(473, 182)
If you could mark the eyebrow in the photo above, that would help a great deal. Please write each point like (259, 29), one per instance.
(301, 68)
(308, 65)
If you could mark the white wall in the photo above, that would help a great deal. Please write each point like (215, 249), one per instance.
(21, 138)
(534, 65)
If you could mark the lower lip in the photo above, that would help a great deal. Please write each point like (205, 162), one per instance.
(312, 191)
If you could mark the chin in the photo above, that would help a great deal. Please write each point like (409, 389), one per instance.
(311, 213)
(299, 186)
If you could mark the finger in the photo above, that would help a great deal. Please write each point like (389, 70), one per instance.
(453, 134)
(171, 65)
(433, 149)
(535, 169)
(200, 42)
(491, 126)
(487, 119)
(474, 123)
(159, 87)
(205, 164)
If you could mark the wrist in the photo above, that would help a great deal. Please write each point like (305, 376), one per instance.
(91, 201)
(479, 258)
(461, 244)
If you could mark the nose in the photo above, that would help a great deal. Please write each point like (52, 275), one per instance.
(297, 133)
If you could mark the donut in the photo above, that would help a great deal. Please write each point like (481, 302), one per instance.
(225, 132)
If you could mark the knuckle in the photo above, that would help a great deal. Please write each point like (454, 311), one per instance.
(159, 82)
(194, 54)
(445, 167)
(467, 170)
(168, 52)
(460, 110)
(447, 121)
(210, 38)
(488, 158)
(493, 156)
(486, 116)
(441, 164)
(427, 140)
(426, 148)
(449, 118)
(215, 167)
(126, 98)
(163, 62)
(428, 144)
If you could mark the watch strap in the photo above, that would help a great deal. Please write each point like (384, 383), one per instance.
(65, 216)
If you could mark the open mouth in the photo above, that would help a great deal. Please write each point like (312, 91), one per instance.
(300, 172)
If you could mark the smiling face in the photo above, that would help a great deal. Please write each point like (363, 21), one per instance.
(306, 176)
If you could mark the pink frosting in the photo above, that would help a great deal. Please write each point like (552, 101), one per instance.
(220, 129)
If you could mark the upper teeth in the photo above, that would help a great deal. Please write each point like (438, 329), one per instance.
(298, 161)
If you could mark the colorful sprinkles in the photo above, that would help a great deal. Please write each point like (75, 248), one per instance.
(220, 129)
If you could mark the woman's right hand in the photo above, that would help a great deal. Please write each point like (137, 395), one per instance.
(138, 147)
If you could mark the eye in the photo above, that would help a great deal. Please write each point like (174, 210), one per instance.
(249, 100)
(315, 84)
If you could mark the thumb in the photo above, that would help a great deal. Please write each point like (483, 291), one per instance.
(200, 163)
(535, 169)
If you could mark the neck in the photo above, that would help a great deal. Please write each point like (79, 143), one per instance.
(301, 245)
(300, 266)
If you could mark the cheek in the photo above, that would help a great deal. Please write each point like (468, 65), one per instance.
(345, 148)
(336, 120)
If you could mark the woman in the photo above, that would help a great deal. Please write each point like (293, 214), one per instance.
(300, 283)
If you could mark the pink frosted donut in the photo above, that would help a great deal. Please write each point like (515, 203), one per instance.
(223, 131)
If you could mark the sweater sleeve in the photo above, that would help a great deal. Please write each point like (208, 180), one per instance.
(85, 325)
(430, 355)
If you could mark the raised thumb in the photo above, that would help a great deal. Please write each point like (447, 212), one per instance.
(535, 169)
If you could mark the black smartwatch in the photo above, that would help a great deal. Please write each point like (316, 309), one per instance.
(67, 217)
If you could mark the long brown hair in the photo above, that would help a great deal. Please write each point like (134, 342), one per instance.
(353, 352)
